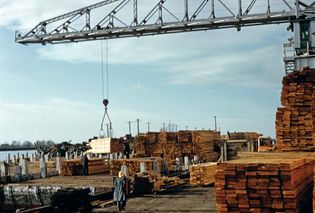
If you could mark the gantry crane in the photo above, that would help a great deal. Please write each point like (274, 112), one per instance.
(163, 17)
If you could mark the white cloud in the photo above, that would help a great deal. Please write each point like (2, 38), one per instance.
(189, 58)
(195, 58)
(26, 14)
(58, 119)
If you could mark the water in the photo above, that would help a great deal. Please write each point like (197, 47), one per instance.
(4, 154)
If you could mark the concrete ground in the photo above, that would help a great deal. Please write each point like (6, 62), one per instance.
(181, 199)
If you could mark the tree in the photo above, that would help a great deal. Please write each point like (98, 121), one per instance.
(15, 144)
(27, 144)
(5, 145)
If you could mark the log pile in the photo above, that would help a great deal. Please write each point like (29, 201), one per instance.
(295, 121)
(74, 167)
(202, 174)
(170, 145)
(133, 165)
(264, 185)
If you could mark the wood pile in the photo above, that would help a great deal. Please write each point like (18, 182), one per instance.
(202, 174)
(277, 155)
(148, 183)
(295, 121)
(116, 145)
(74, 167)
(170, 145)
(250, 136)
(314, 192)
(133, 165)
(264, 185)
(33, 168)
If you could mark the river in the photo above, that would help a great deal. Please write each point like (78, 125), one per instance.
(4, 154)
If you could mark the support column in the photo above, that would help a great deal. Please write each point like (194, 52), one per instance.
(24, 166)
(143, 167)
(3, 168)
(58, 164)
(187, 163)
(42, 167)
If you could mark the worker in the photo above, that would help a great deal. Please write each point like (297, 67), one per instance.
(126, 151)
(85, 164)
(120, 191)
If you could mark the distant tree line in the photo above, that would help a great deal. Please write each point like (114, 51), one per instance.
(18, 145)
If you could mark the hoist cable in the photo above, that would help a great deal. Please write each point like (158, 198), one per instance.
(107, 81)
(102, 70)
(109, 130)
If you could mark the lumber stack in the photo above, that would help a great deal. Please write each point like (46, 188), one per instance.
(264, 185)
(171, 145)
(145, 144)
(205, 145)
(202, 174)
(133, 165)
(74, 166)
(295, 120)
(250, 136)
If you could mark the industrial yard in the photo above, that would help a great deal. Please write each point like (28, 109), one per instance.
(257, 157)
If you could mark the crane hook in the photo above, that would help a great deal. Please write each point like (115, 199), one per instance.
(105, 102)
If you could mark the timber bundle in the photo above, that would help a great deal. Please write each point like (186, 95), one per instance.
(202, 174)
(171, 145)
(74, 167)
(250, 136)
(295, 121)
(264, 185)
(133, 165)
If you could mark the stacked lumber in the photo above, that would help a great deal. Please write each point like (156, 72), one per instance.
(264, 185)
(98, 166)
(106, 145)
(314, 192)
(250, 136)
(205, 145)
(171, 145)
(71, 167)
(145, 143)
(74, 166)
(295, 121)
(150, 183)
(133, 165)
(277, 155)
(202, 174)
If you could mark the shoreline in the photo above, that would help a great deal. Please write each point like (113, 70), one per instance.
(17, 149)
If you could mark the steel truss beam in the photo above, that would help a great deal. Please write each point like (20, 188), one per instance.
(161, 20)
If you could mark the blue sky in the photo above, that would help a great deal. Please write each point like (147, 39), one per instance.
(54, 92)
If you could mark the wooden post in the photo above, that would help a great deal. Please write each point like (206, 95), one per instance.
(24, 166)
(186, 160)
(156, 167)
(9, 159)
(143, 167)
(42, 167)
(58, 164)
(67, 155)
(3, 169)
(225, 151)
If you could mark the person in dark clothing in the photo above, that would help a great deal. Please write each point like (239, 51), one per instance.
(85, 164)
(126, 150)
(120, 191)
